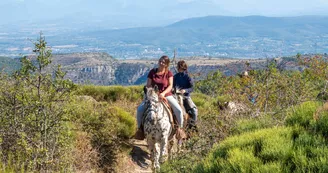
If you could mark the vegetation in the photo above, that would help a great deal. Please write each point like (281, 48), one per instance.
(34, 116)
(277, 131)
(300, 146)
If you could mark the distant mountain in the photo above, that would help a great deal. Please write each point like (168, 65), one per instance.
(212, 28)
(215, 36)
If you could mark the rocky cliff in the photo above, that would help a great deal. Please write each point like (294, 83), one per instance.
(103, 69)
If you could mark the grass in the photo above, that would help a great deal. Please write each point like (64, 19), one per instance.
(300, 146)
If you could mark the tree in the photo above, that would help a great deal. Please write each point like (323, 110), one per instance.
(33, 113)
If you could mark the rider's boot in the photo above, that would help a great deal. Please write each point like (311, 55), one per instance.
(181, 134)
(140, 135)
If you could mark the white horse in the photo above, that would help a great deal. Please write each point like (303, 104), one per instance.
(157, 128)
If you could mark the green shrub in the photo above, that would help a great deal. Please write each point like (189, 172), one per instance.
(252, 124)
(302, 114)
(108, 126)
(183, 163)
(282, 149)
(126, 124)
(320, 125)
(247, 152)
(112, 93)
(201, 100)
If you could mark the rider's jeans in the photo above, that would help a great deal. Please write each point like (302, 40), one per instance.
(194, 109)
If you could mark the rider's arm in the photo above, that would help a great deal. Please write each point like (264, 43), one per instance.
(169, 87)
(190, 85)
(148, 82)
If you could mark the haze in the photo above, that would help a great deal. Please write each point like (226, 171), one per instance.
(140, 13)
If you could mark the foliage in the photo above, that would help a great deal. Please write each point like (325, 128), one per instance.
(252, 124)
(269, 89)
(304, 146)
(34, 129)
(112, 93)
(108, 126)
(301, 115)
(261, 150)
(281, 98)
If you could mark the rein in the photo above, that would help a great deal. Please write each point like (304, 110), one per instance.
(152, 106)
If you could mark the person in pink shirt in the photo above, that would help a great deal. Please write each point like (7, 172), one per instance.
(163, 78)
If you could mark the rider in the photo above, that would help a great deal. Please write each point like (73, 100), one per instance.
(163, 78)
(183, 82)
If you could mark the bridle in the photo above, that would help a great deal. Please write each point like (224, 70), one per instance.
(151, 106)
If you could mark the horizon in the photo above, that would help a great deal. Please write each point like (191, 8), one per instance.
(72, 26)
(146, 13)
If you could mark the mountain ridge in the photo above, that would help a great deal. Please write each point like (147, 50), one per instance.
(205, 29)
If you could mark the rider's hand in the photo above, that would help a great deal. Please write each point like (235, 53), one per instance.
(183, 91)
(161, 96)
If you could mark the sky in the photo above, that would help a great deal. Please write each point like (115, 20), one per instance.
(138, 13)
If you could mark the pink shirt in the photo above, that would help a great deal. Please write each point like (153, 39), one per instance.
(162, 81)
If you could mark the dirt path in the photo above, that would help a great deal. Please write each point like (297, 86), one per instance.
(137, 161)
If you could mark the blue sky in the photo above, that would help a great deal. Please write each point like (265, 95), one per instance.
(129, 13)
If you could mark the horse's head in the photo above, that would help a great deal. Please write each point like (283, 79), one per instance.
(151, 94)
(152, 103)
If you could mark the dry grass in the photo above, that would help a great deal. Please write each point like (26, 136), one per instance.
(85, 157)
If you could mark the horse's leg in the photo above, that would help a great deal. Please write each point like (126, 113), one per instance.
(164, 144)
(156, 155)
(151, 147)
(170, 147)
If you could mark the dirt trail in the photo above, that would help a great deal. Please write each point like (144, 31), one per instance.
(138, 161)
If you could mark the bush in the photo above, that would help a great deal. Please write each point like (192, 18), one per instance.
(108, 127)
(320, 124)
(282, 149)
(252, 124)
(302, 114)
(201, 100)
(112, 93)
(125, 123)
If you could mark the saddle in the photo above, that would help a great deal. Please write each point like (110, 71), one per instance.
(180, 134)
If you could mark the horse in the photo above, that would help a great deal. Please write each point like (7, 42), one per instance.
(157, 127)
(189, 123)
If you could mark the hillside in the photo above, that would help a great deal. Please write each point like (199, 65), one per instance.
(8, 64)
(103, 69)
